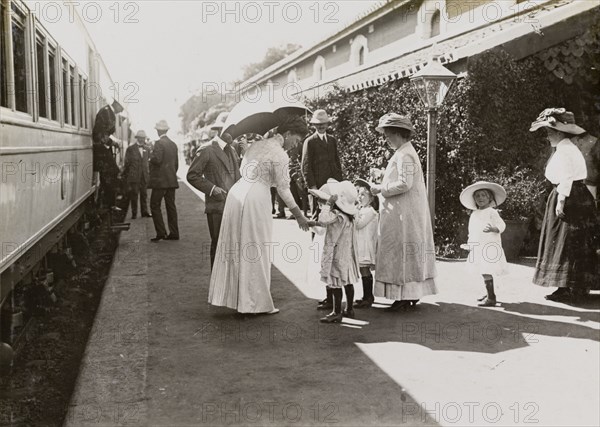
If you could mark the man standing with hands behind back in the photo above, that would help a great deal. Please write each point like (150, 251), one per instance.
(320, 158)
(213, 171)
(164, 163)
(320, 161)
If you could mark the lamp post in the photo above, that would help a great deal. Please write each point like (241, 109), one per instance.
(432, 84)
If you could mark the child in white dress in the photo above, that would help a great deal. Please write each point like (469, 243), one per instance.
(486, 256)
(339, 262)
(367, 224)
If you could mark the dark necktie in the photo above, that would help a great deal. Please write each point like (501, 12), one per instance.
(232, 161)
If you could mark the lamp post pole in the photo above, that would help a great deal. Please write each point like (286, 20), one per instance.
(431, 148)
(432, 84)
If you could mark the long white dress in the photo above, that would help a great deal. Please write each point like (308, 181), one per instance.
(241, 275)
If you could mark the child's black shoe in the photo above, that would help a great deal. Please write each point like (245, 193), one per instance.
(332, 318)
(348, 313)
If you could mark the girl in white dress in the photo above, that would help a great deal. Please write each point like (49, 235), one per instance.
(367, 227)
(486, 256)
(339, 262)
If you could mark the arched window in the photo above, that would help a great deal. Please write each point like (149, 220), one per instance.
(435, 24)
(359, 50)
(292, 76)
(319, 68)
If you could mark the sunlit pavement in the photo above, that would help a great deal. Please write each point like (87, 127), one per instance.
(160, 355)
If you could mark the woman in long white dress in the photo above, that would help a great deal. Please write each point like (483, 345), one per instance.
(241, 275)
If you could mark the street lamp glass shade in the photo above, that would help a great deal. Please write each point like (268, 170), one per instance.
(433, 83)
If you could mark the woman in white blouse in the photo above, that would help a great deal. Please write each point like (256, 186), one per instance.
(567, 252)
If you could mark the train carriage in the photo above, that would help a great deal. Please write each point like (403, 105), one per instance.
(52, 82)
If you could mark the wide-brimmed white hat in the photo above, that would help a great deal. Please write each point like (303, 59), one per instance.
(345, 190)
(162, 125)
(141, 134)
(363, 183)
(466, 197)
(319, 117)
(393, 120)
(559, 119)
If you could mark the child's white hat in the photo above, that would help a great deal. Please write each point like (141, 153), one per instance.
(466, 197)
(345, 190)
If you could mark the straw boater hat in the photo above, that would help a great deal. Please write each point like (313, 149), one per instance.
(467, 200)
(162, 125)
(558, 119)
(345, 190)
(319, 117)
(141, 134)
(393, 120)
(220, 121)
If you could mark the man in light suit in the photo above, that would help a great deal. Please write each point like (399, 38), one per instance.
(213, 171)
(164, 163)
(320, 161)
(136, 174)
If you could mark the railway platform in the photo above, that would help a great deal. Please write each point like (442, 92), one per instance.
(159, 355)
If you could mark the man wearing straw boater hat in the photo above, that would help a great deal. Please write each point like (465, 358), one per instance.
(320, 161)
(136, 174)
(214, 170)
(163, 182)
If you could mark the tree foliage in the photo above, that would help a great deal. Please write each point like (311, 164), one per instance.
(202, 109)
(273, 55)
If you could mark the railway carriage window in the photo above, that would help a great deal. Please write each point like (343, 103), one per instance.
(3, 70)
(19, 59)
(41, 77)
(65, 91)
(72, 90)
(52, 72)
(82, 102)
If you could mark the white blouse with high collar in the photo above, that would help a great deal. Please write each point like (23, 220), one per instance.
(566, 165)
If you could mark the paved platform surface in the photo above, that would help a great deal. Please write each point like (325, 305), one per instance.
(159, 355)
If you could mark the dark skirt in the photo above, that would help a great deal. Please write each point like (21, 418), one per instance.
(567, 252)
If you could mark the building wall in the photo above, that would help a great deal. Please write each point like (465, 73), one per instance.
(399, 32)
(394, 26)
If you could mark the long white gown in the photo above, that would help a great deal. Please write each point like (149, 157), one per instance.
(241, 276)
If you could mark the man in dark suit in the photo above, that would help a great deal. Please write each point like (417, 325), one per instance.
(136, 175)
(214, 170)
(320, 161)
(102, 151)
(164, 163)
(320, 158)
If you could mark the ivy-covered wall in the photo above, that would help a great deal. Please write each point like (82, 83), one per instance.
(483, 129)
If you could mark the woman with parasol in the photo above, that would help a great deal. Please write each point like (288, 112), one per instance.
(241, 276)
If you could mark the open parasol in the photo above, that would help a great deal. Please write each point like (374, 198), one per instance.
(260, 117)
